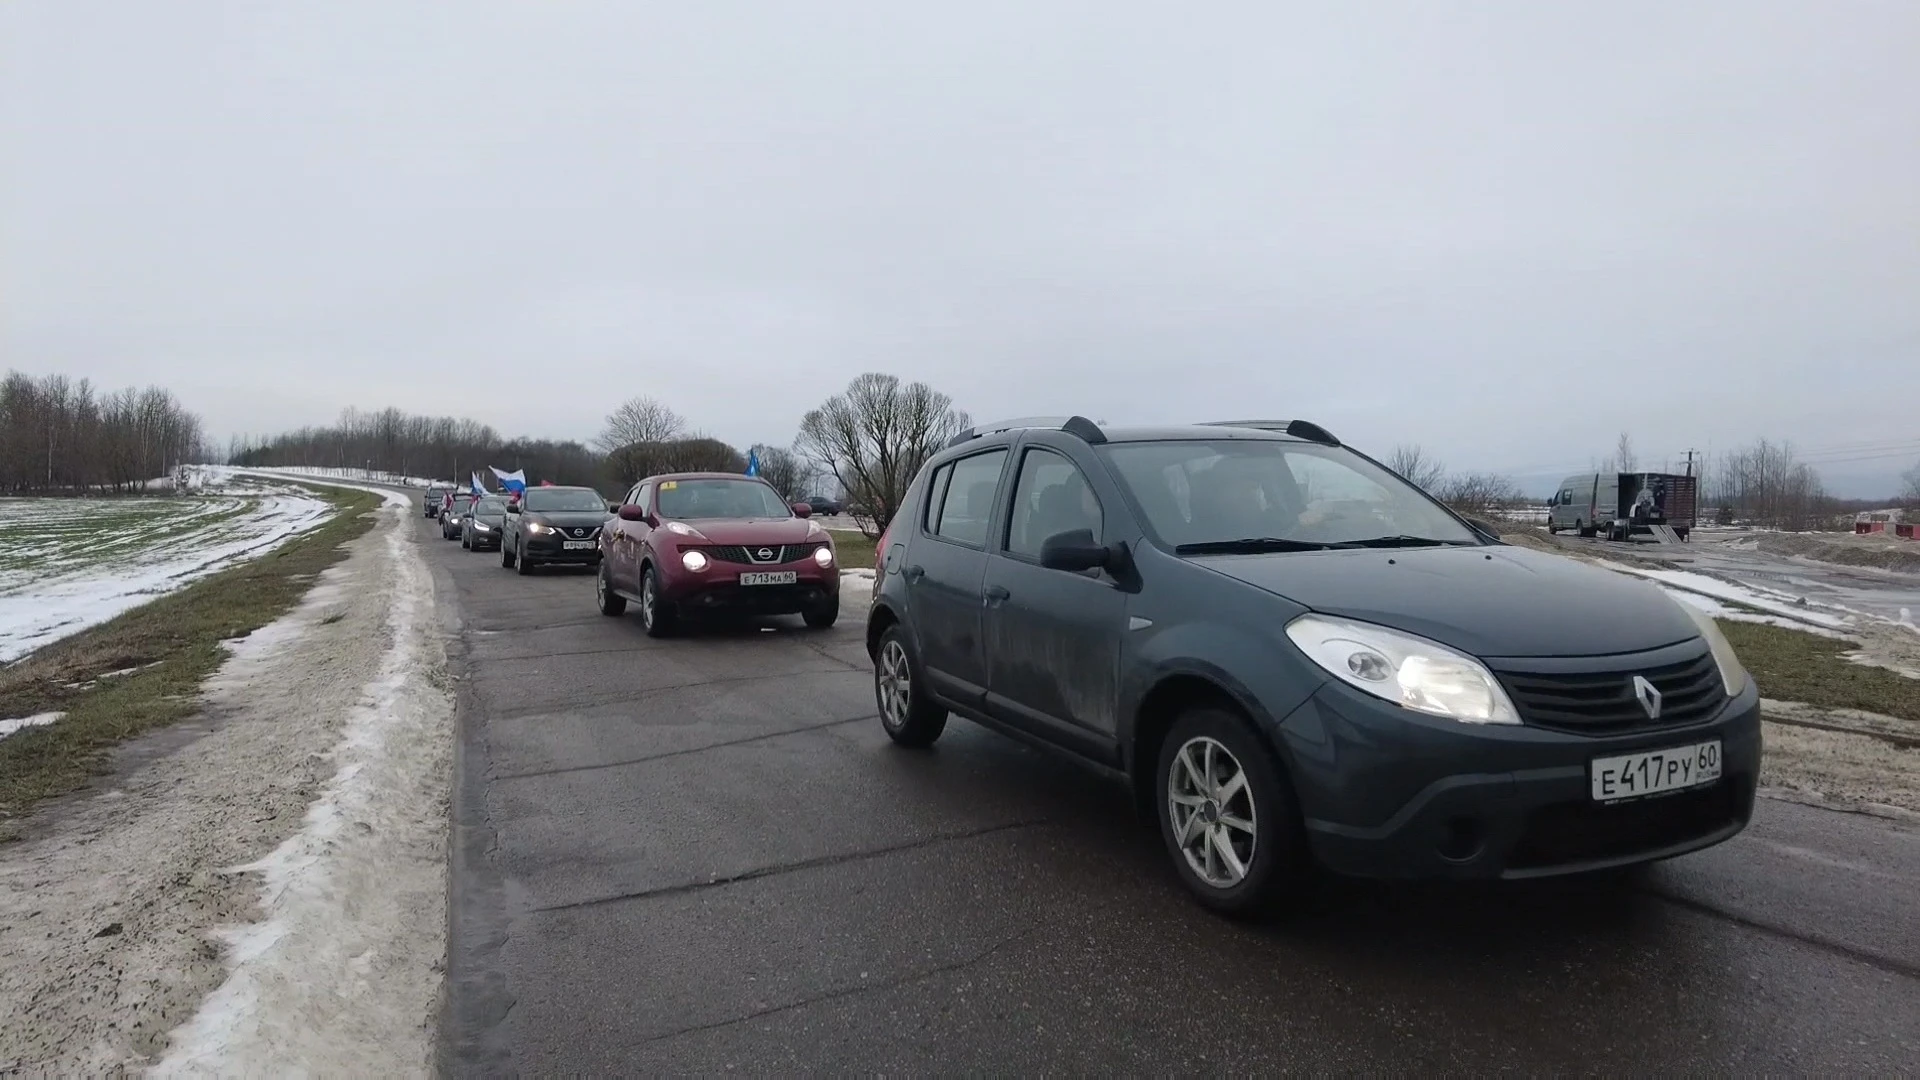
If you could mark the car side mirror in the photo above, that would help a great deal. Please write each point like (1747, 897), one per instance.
(632, 512)
(1075, 551)
(613, 508)
(513, 508)
(802, 510)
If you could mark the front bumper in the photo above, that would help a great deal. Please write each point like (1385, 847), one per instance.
(1388, 793)
(552, 548)
(483, 541)
(717, 589)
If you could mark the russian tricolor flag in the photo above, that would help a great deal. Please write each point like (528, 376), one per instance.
(515, 481)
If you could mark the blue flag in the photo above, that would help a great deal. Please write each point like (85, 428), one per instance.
(753, 462)
(479, 488)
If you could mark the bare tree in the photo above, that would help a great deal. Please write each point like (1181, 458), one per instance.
(783, 469)
(1478, 493)
(874, 437)
(1912, 479)
(1419, 467)
(640, 420)
(1765, 484)
(1624, 459)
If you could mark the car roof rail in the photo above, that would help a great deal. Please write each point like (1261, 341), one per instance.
(1299, 429)
(1078, 426)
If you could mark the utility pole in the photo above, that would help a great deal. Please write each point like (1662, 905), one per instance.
(1690, 463)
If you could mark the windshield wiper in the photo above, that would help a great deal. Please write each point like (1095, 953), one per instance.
(1253, 544)
(1403, 540)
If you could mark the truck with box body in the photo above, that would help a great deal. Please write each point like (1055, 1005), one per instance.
(1619, 506)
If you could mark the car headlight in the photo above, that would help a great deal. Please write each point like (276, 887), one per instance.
(481, 526)
(695, 561)
(1733, 675)
(680, 529)
(537, 529)
(823, 556)
(1406, 670)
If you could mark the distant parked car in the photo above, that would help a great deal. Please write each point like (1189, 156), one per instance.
(823, 506)
(716, 543)
(1297, 659)
(451, 513)
(486, 519)
(552, 526)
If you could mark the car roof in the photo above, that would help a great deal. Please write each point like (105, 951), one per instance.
(702, 476)
(1166, 433)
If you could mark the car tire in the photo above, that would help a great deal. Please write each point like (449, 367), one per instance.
(822, 616)
(611, 603)
(506, 554)
(656, 611)
(525, 566)
(909, 717)
(1242, 855)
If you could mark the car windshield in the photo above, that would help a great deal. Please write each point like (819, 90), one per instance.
(718, 498)
(1266, 495)
(541, 500)
(460, 502)
(490, 507)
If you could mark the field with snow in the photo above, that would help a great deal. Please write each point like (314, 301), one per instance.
(67, 564)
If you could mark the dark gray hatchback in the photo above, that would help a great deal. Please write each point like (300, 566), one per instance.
(1297, 658)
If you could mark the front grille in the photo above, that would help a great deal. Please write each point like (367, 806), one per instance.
(1604, 702)
(751, 553)
(578, 532)
(1568, 833)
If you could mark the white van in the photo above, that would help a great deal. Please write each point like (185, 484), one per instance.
(1617, 505)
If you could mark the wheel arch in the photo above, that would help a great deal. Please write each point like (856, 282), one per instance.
(1172, 693)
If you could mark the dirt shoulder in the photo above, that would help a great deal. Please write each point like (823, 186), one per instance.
(115, 905)
(1844, 549)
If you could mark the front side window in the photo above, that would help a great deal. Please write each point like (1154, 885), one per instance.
(692, 500)
(1207, 493)
(561, 500)
(972, 487)
(1049, 498)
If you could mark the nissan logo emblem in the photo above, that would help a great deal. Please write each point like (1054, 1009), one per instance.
(765, 554)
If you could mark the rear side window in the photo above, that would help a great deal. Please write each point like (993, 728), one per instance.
(965, 500)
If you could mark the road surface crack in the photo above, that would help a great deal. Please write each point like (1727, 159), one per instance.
(793, 867)
(1896, 967)
(979, 957)
(743, 741)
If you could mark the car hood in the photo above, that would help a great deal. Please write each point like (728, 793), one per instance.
(1489, 601)
(568, 519)
(790, 530)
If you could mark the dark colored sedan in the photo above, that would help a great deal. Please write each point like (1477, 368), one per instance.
(486, 520)
(823, 506)
(452, 515)
(553, 526)
(1296, 658)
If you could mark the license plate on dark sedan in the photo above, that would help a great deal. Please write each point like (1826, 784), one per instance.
(1652, 772)
(770, 577)
(577, 545)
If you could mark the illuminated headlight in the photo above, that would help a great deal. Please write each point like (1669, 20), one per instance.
(679, 529)
(481, 526)
(538, 529)
(1733, 675)
(1409, 671)
(823, 556)
(695, 561)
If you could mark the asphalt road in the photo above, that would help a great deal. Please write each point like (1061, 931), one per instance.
(703, 854)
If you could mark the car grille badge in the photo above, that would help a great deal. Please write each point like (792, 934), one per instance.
(1648, 695)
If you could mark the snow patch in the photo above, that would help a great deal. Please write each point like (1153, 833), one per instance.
(1719, 610)
(8, 727)
(1782, 605)
(856, 588)
(341, 975)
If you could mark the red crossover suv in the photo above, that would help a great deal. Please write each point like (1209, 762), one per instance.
(720, 543)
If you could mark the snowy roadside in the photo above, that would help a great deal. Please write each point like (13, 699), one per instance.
(301, 822)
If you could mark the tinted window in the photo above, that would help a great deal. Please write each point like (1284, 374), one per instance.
(490, 507)
(1050, 497)
(561, 500)
(936, 496)
(717, 498)
(1205, 491)
(971, 490)
(461, 502)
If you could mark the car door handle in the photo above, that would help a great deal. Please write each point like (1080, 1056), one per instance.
(997, 593)
(914, 573)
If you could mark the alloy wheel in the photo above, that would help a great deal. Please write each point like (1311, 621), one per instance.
(646, 599)
(1210, 805)
(894, 679)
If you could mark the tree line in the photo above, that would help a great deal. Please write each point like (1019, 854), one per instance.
(60, 435)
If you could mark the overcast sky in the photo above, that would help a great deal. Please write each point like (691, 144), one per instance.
(1502, 230)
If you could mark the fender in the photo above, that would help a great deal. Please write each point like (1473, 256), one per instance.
(1258, 669)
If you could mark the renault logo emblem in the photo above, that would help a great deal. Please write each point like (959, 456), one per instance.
(1648, 696)
(766, 554)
